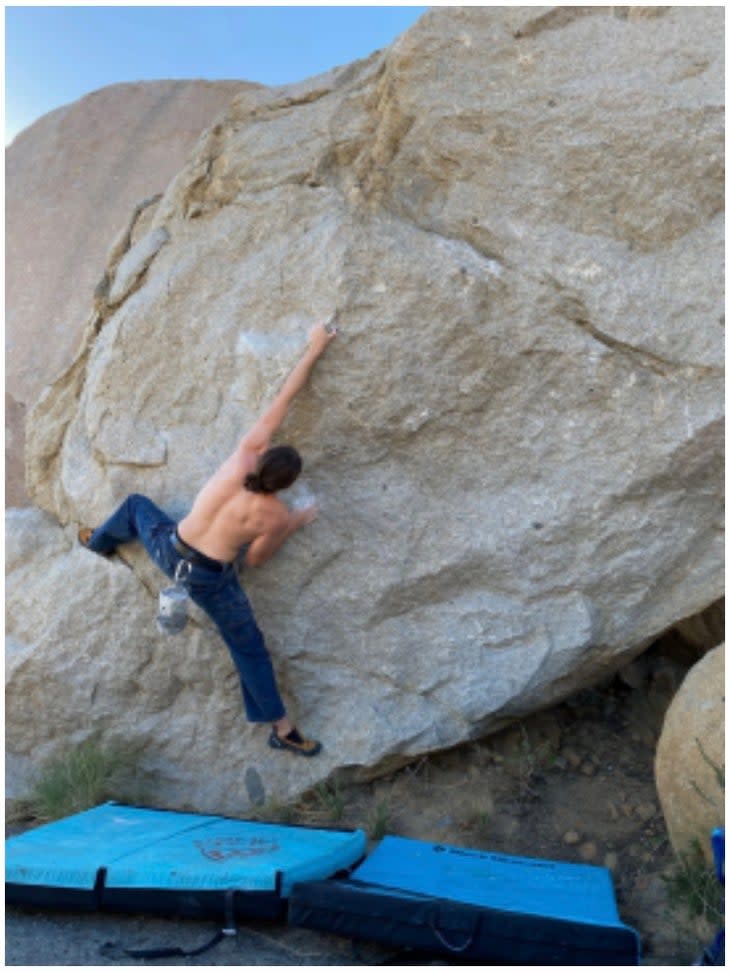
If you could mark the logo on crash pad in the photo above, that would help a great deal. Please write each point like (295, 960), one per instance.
(228, 848)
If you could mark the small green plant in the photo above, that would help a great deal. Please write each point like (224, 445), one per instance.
(323, 804)
(331, 799)
(379, 824)
(694, 887)
(83, 777)
(528, 762)
(274, 812)
(478, 822)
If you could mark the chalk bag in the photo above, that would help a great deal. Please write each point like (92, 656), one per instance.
(172, 614)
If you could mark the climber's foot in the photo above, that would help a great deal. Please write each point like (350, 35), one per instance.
(295, 742)
(84, 535)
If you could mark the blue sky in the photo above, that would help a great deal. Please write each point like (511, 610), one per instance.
(55, 55)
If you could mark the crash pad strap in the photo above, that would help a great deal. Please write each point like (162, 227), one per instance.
(174, 951)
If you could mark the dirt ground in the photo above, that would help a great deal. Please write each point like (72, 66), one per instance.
(574, 783)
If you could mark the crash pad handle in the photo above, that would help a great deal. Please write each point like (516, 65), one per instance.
(450, 945)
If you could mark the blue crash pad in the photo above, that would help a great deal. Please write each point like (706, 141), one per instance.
(532, 886)
(112, 851)
(479, 905)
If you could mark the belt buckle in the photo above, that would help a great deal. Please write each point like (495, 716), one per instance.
(180, 546)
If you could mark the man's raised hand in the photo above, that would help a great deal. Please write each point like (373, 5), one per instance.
(320, 336)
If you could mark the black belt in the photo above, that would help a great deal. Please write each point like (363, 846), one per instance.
(195, 556)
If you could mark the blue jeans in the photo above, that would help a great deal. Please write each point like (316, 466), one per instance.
(219, 594)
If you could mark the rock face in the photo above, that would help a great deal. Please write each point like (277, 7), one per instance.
(690, 759)
(516, 438)
(72, 179)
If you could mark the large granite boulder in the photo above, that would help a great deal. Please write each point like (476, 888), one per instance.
(516, 438)
(690, 758)
(71, 180)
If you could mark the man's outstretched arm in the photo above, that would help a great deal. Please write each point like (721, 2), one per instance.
(258, 438)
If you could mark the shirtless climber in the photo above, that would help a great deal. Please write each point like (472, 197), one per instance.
(237, 506)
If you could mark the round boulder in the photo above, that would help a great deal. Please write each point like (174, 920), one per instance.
(690, 759)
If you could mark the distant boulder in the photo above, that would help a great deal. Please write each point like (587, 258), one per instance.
(71, 180)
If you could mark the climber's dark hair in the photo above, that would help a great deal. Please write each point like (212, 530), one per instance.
(276, 469)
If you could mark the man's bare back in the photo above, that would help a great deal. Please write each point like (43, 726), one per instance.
(225, 516)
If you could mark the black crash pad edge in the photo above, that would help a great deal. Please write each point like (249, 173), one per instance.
(361, 910)
(184, 903)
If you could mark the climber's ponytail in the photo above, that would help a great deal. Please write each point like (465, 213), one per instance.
(252, 483)
(276, 469)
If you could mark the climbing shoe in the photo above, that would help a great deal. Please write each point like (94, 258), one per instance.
(295, 743)
(84, 535)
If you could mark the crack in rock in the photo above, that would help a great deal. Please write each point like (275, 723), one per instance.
(574, 310)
